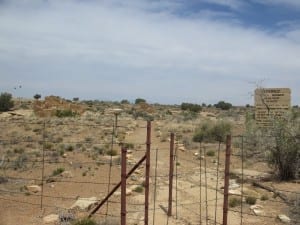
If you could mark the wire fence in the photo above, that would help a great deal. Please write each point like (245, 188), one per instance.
(47, 166)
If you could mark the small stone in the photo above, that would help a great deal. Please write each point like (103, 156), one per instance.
(234, 192)
(67, 174)
(128, 191)
(134, 178)
(196, 154)
(257, 209)
(52, 218)
(182, 148)
(34, 188)
(284, 219)
(233, 185)
(84, 203)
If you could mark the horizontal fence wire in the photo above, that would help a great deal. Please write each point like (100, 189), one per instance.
(189, 167)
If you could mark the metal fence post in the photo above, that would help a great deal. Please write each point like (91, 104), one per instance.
(171, 173)
(123, 186)
(226, 180)
(147, 180)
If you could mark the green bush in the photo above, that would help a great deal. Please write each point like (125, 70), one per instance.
(6, 102)
(65, 113)
(223, 105)
(191, 107)
(112, 152)
(20, 161)
(140, 100)
(278, 144)
(210, 132)
(233, 202)
(139, 189)
(69, 148)
(250, 200)
(58, 171)
(210, 153)
(264, 198)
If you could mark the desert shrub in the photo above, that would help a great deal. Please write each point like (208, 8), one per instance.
(234, 201)
(48, 146)
(6, 102)
(19, 150)
(112, 152)
(191, 107)
(65, 113)
(140, 100)
(210, 153)
(138, 189)
(37, 96)
(250, 200)
(69, 148)
(223, 105)
(264, 197)
(125, 101)
(278, 144)
(58, 171)
(84, 221)
(99, 150)
(189, 115)
(210, 132)
(20, 161)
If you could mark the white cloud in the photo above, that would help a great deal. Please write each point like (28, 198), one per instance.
(100, 43)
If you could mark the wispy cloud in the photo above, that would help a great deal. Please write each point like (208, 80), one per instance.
(295, 4)
(139, 48)
(232, 4)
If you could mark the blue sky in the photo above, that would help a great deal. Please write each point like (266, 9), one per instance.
(167, 51)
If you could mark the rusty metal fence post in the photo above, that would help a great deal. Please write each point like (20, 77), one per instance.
(226, 180)
(43, 161)
(123, 186)
(147, 181)
(171, 173)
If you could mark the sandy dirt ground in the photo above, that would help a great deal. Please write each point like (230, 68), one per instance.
(197, 184)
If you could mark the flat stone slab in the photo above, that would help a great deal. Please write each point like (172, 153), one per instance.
(85, 203)
(52, 218)
(250, 173)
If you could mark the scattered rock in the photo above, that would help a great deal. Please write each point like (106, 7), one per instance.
(67, 174)
(34, 188)
(233, 185)
(84, 203)
(196, 154)
(182, 148)
(134, 178)
(257, 209)
(128, 192)
(52, 218)
(250, 174)
(234, 192)
(284, 219)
